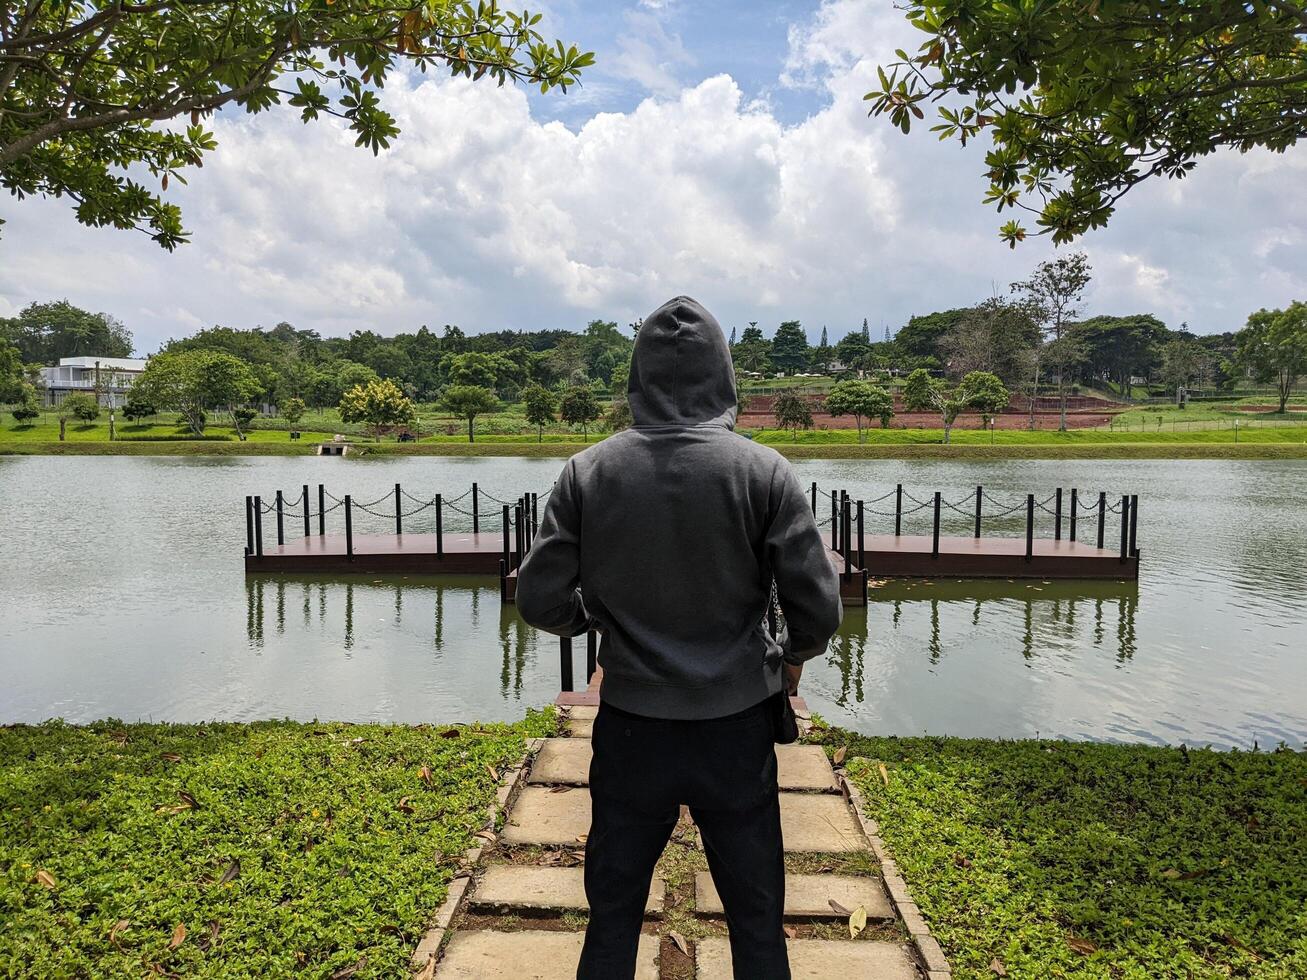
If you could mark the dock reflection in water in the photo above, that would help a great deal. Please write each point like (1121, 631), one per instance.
(330, 608)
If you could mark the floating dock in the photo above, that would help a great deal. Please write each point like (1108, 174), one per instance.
(856, 554)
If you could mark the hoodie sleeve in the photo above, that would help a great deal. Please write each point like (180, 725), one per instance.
(806, 581)
(548, 583)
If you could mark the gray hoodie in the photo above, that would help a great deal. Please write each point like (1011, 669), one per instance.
(666, 538)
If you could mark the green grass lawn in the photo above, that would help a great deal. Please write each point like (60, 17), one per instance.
(1060, 859)
(281, 849)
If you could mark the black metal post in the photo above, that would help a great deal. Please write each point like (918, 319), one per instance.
(508, 557)
(1125, 525)
(249, 525)
(565, 661)
(322, 510)
(307, 525)
(934, 544)
(591, 654)
(846, 528)
(258, 526)
(440, 527)
(1102, 515)
(349, 528)
(898, 510)
(1075, 501)
(281, 521)
(503, 580)
(517, 534)
(979, 493)
(862, 562)
(399, 512)
(1030, 526)
(1057, 516)
(535, 515)
(1134, 524)
(814, 498)
(476, 513)
(834, 522)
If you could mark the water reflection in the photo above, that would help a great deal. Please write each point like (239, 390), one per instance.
(516, 641)
(1047, 614)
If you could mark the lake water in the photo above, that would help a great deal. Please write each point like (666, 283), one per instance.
(122, 595)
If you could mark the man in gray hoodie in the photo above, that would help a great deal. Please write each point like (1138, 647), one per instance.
(667, 538)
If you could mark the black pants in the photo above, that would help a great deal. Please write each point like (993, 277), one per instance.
(724, 769)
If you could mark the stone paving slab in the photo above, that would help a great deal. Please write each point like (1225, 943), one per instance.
(809, 896)
(584, 712)
(819, 823)
(541, 816)
(804, 767)
(562, 760)
(579, 727)
(529, 955)
(818, 959)
(516, 886)
(567, 760)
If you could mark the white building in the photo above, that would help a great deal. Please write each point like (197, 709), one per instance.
(111, 376)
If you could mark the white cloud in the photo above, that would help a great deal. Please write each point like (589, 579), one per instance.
(483, 215)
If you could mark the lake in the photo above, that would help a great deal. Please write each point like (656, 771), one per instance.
(122, 594)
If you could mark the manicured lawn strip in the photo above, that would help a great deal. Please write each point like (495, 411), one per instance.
(1154, 862)
(308, 849)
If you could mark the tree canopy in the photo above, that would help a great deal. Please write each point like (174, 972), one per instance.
(81, 85)
(45, 332)
(1083, 101)
(979, 391)
(861, 399)
(469, 401)
(378, 404)
(1273, 346)
(191, 382)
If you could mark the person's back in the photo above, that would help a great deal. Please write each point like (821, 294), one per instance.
(667, 539)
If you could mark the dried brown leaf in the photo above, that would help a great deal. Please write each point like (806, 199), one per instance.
(44, 877)
(884, 774)
(231, 872)
(1082, 946)
(997, 968)
(424, 774)
(118, 929)
(170, 756)
(178, 936)
(679, 940)
(837, 908)
(840, 753)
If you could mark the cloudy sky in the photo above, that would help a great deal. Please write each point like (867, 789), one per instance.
(720, 150)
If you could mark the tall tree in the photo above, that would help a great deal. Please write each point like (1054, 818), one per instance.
(861, 399)
(1121, 347)
(993, 336)
(45, 332)
(579, 406)
(753, 352)
(540, 404)
(1083, 101)
(1273, 346)
(82, 84)
(194, 382)
(792, 412)
(979, 391)
(1053, 294)
(467, 402)
(918, 339)
(789, 347)
(380, 405)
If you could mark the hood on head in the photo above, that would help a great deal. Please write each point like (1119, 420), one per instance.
(681, 370)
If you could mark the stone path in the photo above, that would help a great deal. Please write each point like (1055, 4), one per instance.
(521, 912)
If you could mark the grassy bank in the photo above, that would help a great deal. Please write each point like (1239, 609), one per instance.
(263, 850)
(1117, 449)
(1040, 859)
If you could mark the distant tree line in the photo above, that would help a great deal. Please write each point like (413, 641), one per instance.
(1032, 341)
